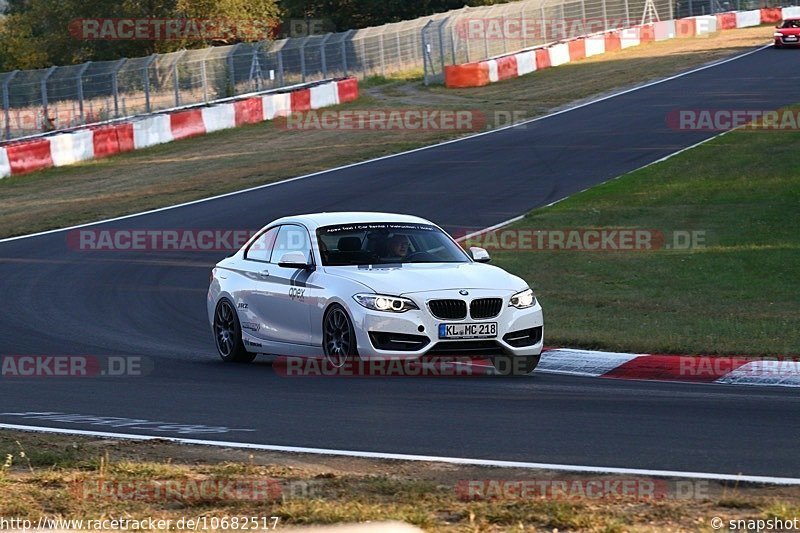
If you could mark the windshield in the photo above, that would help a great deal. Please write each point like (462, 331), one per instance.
(386, 242)
(791, 24)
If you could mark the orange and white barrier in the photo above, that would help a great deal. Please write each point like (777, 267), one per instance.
(219, 117)
(151, 131)
(664, 30)
(276, 105)
(29, 156)
(629, 37)
(577, 49)
(745, 19)
(324, 95)
(479, 73)
(770, 15)
(5, 167)
(185, 124)
(705, 24)
(526, 62)
(790, 12)
(347, 90)
(70, 148)
(595, 45)
(726, 21)
(94, 142)
(559, 54)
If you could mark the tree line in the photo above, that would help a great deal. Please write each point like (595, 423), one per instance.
(42, 33)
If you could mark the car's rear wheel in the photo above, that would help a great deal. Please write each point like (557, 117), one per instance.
(338, 336)
(509, 365)
(228, 334)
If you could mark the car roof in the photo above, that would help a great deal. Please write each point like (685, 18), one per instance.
(316, 220)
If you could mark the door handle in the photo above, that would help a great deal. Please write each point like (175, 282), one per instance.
(264, 274)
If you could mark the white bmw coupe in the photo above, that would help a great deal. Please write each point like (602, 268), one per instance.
(370, 285)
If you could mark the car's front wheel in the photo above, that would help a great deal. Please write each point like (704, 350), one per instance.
(338, 336)
(228, 334)
(509, 365)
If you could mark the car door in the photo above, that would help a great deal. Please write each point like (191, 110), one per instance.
(279, 298)
(251, 301)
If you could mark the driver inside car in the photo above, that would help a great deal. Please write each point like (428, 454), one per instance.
(398, 247)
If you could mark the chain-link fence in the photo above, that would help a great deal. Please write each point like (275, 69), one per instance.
(36, 101)
(473, 34)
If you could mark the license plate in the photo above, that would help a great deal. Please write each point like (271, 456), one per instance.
(468, 331)
(790, 38)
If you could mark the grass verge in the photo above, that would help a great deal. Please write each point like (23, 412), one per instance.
(58, 476)
(734, 293)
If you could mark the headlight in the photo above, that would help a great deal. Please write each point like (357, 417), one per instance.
(523, 300)
(777, 34)
(381, 302)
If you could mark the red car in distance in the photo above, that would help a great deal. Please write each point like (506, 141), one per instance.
(787, 33)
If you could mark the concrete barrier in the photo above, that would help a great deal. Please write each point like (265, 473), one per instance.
(276, 105)
(612, 41)
(5, 167)
(577, 49)
(526, 63)
(770, 15)
(664, 29)
(493, 73)
(324, 95)
(219, 117)
(249, 111)
(151, 131)
(790, 12)
(347, 90)
(629, 37)
(559, 54)
(726, 21)
(705, 24)
(595, 45)
(745, 19)
(185, 124)
(93, 142)
(29, 156)
(71, 148)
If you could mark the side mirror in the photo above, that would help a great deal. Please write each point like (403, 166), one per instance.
(479, 255)
(294, 260)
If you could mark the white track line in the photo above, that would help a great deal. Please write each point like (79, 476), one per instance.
(404, 457)
(426, 458)
(428, 147)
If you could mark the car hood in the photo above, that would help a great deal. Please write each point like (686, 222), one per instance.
(424, 277)
(788, 31)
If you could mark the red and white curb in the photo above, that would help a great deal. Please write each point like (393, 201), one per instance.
(782, 372)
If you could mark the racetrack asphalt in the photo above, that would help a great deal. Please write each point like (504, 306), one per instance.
(57, 300)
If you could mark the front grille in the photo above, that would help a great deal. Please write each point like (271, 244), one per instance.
(448, 309)
(397, 342)
(524, 337)
(485, 307)
(465, 348)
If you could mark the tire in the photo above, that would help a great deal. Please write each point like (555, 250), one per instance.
(509, 365)
(228, 334)
(338, 337)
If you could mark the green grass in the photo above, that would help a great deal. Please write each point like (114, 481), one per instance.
(737, 295)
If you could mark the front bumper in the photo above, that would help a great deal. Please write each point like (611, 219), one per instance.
(519, 331)
(781, 41)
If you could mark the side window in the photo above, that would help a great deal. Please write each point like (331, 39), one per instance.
(291, 238)
(261, 248)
